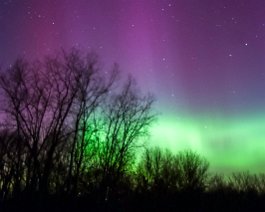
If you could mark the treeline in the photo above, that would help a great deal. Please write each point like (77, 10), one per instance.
(182, 182)
(71, 137)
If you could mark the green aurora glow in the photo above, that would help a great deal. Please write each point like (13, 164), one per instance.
(230, 145)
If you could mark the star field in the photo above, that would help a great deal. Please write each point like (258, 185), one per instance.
(204, 61)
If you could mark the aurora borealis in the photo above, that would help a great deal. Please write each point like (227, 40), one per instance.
(203, 59)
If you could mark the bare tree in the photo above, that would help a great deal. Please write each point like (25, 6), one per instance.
(16, 92)
(71, 124)
(126, 117)
(163, 171)
(194, 171)
(44, 99)
(92, 89)
(158, 170)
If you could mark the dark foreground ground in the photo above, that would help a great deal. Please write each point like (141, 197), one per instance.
(218, 201)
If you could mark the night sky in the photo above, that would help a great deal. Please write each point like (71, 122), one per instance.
(204, 60)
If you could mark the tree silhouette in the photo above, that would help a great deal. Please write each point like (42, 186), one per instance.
(180, 172)
(67, 124)
(47, 103)
(126, 117)
(193, 169)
